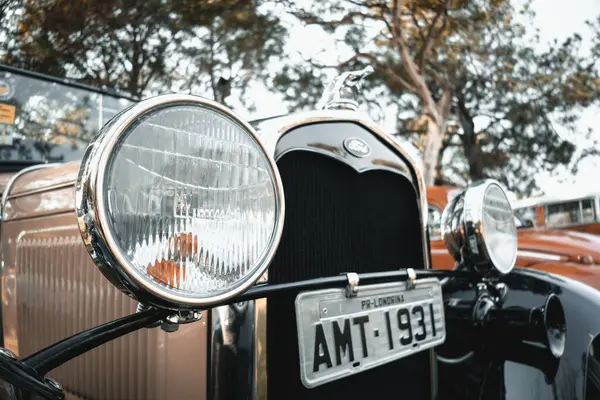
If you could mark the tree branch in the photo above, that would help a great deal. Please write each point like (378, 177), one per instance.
(389, 72)
(414, 19)
(211, 63)
(428, 37)
(420, 87)
(445, 103)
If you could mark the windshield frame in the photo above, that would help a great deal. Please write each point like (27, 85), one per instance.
(67, 82)
(32, 135)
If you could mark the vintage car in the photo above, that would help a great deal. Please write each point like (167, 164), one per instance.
(192, 255)
(575, 212)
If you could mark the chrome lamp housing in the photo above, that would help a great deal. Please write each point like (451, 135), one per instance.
(178, 203)
(479, 230)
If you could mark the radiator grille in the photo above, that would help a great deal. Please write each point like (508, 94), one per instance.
(60, 293)
(338, 220)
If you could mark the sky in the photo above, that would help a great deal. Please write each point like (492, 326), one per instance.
(555, 19)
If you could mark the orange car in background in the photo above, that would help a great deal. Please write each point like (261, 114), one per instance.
(561, 251)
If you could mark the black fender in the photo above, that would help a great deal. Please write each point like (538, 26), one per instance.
(479, 376)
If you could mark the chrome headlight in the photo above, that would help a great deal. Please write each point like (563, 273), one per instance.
(178, 202)
(479, 229)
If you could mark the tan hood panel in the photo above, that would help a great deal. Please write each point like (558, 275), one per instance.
(46, 178)
(41, 192)
(51, 290)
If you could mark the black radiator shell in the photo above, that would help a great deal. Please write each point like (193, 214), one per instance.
(339, 220)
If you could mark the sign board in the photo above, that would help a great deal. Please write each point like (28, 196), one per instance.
(7, 114)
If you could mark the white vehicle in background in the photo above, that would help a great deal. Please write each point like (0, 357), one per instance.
(578, 212)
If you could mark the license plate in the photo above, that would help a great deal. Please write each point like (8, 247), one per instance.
(339, 336)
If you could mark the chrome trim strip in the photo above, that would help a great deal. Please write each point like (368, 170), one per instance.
(93, 219)
(260, 349)
(535, 254)
(439, 251)
(232, 352)
(457, 360)
(238, 343)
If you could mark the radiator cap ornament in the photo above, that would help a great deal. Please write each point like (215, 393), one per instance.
(342, 92)
(357, 147)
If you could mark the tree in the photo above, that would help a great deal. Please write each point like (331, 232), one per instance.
(142, 46)
(399, 38)
(591, 146)
(508, 99)
(236, 47)
(467, 85)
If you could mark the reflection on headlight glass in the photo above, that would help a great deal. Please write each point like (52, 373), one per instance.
(499, 227)
(192, 200)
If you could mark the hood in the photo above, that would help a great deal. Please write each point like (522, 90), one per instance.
(557, 245)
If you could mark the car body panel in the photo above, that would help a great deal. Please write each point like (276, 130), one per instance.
(42, 249)
(563, 243)
(482, 378)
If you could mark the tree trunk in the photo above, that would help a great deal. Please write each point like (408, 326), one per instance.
(433, 145)
(471, 147)
(439, 175)
(474, 156)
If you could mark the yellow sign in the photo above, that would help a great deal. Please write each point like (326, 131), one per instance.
(7, 114)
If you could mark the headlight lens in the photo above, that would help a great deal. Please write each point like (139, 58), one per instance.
(499, 230)
(478, 227)
(188, 201)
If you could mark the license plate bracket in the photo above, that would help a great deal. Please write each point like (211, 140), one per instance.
(341, 334)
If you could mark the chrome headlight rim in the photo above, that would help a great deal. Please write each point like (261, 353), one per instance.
(463, 228)
(93, 216)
